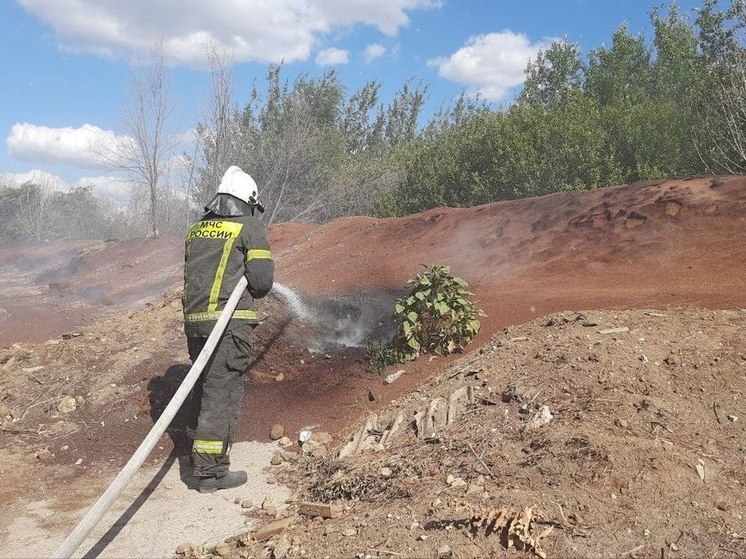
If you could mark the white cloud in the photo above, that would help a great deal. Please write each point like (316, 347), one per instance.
(332, 57)
(490, 65)
(373, 51)
(75, 146)
(251, 30)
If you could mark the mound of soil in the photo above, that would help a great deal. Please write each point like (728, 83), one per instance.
(642, 454)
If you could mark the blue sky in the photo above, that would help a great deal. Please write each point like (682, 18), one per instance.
(67, 63)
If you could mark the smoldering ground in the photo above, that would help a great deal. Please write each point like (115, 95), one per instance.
(327, 324)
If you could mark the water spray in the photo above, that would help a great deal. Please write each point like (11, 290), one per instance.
(298, 307)
(335, 326)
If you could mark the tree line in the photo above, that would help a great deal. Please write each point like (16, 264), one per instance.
(642, 107)
(669, 105)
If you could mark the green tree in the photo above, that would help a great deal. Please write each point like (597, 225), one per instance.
(718, 31)
(558, 148)
(721, 138)
(621, 73)
(362, 120)
(450, 168)
(318, 153)
(622, 80)
(556, 73)
(678, 82)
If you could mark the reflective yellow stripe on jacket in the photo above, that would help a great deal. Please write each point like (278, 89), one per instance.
(228, 232)
(258, 254)
(214, 315)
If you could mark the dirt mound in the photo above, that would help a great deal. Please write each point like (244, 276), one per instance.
(618, 433)
(50, 288)
(647, 244)
(80, 402)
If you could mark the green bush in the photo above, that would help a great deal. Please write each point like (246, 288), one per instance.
(381, 355)
(435, 317)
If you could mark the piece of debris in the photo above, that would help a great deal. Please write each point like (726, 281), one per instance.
(700, 467)
(320, 509)
(474, 488)
(457, 402)
(433, 420)
(453, 481)
(79, 461)
(322, 437)
(517, 392)
(619, 330)
(273, 528)
(732, 418)
(393, 377)
(184, 549)
(269, 506)
(67, 404)
(363, 438)
(223, 550)
(285, 442)
(518, 528)
(392, 430)
(288, 456)
(314, 449)
(631, 552)
(542, 417)
(277, 432)
(69, 335)
(43, 454)
(281, 549)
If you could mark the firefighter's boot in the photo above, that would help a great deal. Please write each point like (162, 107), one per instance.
(227, 480)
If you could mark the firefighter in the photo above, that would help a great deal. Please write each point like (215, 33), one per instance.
(229, 241)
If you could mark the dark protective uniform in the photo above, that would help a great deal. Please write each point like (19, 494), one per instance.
(227, 242)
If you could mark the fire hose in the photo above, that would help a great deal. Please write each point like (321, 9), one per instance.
(104, 503)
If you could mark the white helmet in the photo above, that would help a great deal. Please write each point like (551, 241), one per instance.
(239, 184)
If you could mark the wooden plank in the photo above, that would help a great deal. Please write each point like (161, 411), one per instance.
(273, 528)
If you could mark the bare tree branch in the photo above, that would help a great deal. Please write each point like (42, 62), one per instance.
(144, 154)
